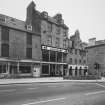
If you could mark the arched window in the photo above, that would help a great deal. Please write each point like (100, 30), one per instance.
(80, 71)
(70, 70)
(76, 71)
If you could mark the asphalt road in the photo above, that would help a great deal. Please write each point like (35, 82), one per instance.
(68, 93)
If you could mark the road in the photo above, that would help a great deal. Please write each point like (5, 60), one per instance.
(66, 93)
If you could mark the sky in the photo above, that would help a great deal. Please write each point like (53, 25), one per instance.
(88, 16)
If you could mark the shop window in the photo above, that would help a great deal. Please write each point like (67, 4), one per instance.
(2, 68)
(59, 57)
(29, 53)
(25, 69)
(4, 50)
(45, 69)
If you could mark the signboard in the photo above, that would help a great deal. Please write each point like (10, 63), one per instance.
(54, 49)
(36, 72)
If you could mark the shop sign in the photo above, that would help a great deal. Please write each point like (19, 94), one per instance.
(54, 49)
(44, 47)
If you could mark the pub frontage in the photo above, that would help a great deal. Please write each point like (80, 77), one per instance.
(54, 61)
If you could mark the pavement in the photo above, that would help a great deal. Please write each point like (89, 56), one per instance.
(43, 80)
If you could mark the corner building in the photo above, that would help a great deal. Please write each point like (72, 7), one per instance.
(96, 54)
(54, 40)
(20, 49)
(77, 57)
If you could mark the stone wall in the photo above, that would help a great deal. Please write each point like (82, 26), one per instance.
(96, 54)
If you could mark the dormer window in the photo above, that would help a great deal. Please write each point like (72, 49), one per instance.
(45, 14)
(29, 27)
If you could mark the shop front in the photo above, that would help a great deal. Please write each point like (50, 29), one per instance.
(53, 69)
(77, 70)
(53, 61)
(19, 69)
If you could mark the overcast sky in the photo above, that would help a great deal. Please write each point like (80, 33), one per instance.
(88, 16)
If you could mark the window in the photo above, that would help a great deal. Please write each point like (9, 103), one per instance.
(80, 61)
(70, 60)
(71, 51)
(75, 51)
(25, 69)
(45, 69)
(57, 43)
(29, 53)
(84, 53)
(80, 52)
(64, 44)
(4, 50)
(29, 46)
(3, 68)
(58, 30)
(49, 26)
(49, 41)
(5, 34)
(84, 61)
(64, 33)
(29, 39)
(75, 61)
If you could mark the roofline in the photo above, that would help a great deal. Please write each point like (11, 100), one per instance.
(62, 25)
(95, 45)
(21, 30)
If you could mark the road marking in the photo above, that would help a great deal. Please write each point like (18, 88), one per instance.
(10, 90)
(93, 93)
(100, 85)
(31, 88)
(38, 102)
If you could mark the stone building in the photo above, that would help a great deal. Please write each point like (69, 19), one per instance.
(54, 40)
(77, 57)
(96, 54)
(20, 48)
(39, 46)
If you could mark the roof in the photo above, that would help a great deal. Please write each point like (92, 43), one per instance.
(53, 20)
(97, 45)
(13, 23)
